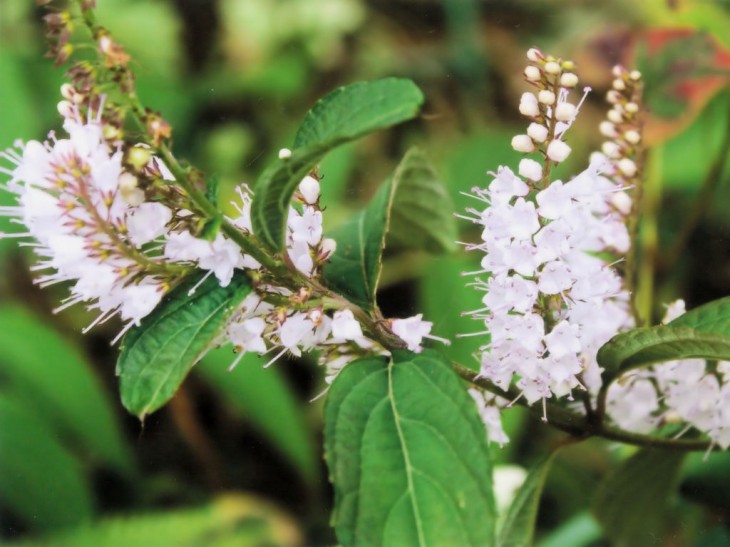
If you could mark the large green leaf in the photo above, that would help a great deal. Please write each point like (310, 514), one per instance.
(407, 454)
(157, 355)
(646, 346)
(263, 397)
(47, 372)
(518, 527)
(40, 482)
(354, 269)
(705, 479)
(631, 501)
(233, 519)
(342, 116)
(422, 216)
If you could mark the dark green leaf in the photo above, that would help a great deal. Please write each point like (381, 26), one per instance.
(48, 372)
(706, 478)
(263, 397)
(631, 501)
(230, 520)
(646, 346)
(422, 216)
(40, 481)
(407, 454)
(344, 115)
(518, 527)
(157, 355)
(354, 269)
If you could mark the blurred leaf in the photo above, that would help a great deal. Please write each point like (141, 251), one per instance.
(518, 527)
(263, 397)
(156, 356)
(407, 455)
(47, 372)
(686, 158)
(39, 480)
(344, 115)
(645, 346)
(230, 520)
(579, 531)
(706, 478)
(422, 215)
(631, 501)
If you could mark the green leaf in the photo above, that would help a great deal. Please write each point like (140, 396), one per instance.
(518, 527)
(422, 216)
(40, 481)
(713, 317)
(645, 346)
(342, 116)
(411, 211)
(705, 479)
(407, 454)
(354, 268)
(631, 501)
(233, 519)
(578, 531)
(45, 370)
(157, 355)
(263, 397)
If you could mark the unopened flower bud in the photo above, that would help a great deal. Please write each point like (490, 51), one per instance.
(632, 136)
(614, 115)
(613, 97)
(607, 129)
(68, 91)
(546, 97)
(619, 84)
(631, 108)
(617, 71)
(537, 132)
(130, 193)
(534, 54)
(532, 73)
(327, 248)
(138, 157)
(568, 79)
(564, 112)
(284, 154)
(611, 149)
(528, 105)
(551, 67)
(530, 169)
(627, 167)
(557, 150)
(65, 109)
(523, 143)
(568, 65)
(309, 188)
(621, 202)
(635, 75)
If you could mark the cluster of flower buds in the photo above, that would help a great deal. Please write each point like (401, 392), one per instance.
(549, 110)
(550, 301)
(675, 392)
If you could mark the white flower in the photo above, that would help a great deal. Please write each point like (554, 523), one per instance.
(345, 326)
(309, 188)
(411, 330)
(558, 151)
(147, 222)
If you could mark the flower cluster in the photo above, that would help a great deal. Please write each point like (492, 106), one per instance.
(551, 296)
(675, 392)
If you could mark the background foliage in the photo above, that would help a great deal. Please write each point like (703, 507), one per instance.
(237, 456)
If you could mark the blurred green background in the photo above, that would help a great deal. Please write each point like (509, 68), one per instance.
(235, 458)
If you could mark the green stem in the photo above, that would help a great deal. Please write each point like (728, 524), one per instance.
(643, 295)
